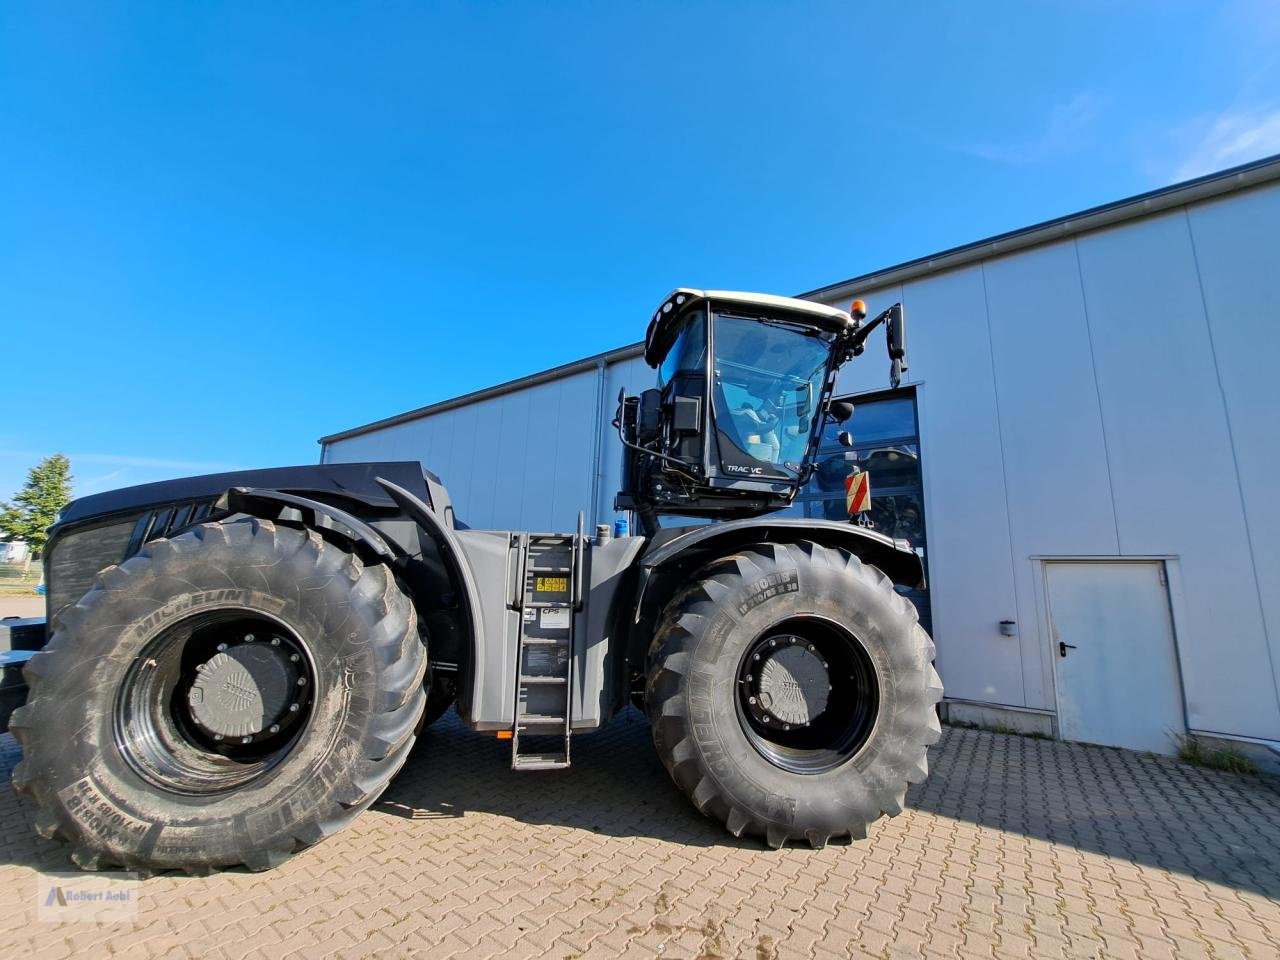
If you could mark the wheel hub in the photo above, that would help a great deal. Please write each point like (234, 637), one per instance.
(808, 694)
(794, 685)
(244, 690)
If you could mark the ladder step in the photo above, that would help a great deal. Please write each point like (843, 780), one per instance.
(546, 641)
(548, 569)
(544, 679)
(538, 720)
(539, 761)
(544, 604)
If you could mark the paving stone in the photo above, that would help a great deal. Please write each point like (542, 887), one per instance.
(1012, 848)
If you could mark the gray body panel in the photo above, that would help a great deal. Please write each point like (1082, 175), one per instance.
(495, 562)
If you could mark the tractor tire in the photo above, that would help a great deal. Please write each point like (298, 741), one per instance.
(441, 693)
(227, 697)
(791, 693)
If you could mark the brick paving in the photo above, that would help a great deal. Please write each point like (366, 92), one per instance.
(1013, 848)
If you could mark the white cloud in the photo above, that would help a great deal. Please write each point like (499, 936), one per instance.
(1065, 127)
(1228, 139)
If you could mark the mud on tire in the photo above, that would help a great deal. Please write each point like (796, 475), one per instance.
(696, 669)
(367, 661)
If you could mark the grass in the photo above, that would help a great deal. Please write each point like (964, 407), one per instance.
(1201, 753)
(15, 580)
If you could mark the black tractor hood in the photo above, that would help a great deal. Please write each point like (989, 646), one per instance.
(352, 481)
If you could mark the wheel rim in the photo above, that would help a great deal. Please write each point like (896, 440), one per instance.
(214, 702)
(807, 695)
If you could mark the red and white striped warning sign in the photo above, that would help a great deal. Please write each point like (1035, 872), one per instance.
(857, 492)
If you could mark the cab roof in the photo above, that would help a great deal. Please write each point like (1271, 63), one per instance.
(662, 326)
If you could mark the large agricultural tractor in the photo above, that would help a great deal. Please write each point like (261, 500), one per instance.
(238, 664)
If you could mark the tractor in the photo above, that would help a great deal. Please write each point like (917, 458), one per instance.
(236, 665)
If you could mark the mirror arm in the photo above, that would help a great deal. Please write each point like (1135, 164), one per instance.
(859, 337)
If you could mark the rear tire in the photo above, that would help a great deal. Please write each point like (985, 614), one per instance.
(121, 753)
(856, 735)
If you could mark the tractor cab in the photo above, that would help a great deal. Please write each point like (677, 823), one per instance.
(744, 389)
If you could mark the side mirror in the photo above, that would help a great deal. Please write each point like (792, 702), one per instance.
(895, 341)
(840, 410)
(804, 401)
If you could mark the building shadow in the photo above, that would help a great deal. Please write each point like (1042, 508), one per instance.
(1150, 810)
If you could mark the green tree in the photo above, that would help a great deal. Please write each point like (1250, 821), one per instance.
(36, 505)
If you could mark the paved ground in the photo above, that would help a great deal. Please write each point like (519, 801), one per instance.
(1015, 847)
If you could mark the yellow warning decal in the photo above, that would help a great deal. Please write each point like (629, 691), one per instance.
(551, 584)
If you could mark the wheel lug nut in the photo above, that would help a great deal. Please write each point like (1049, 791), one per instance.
(217, 736)
(824, 664)
(246, 739)
(786, 726)
(293, 708)
(751, 700)
(302, 681)
(275, 728)
(793, 639)
(773, 643)
(756, 657)
(294, 658)
(748, 678)
(222, 647)
(248, 638)
(275, 641)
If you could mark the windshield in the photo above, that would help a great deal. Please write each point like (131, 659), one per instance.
(769, 378)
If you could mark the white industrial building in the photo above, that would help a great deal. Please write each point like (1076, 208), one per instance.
(1085, 451)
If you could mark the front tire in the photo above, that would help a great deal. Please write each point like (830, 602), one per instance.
(792, 694)
(224, 698)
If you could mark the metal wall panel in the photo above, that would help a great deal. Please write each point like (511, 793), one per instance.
(1237, 243)
(521, 460)
(1055, 459)
(1172, 470)
(970, 565)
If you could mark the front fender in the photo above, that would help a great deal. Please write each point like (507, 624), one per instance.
(669, 562)
(895, 557)
(315, 514)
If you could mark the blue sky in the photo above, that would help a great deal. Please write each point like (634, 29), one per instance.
(228, 229)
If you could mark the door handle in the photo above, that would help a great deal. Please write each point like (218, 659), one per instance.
(1064, 647)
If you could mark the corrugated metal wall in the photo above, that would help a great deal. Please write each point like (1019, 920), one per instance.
(522, 460)
(1111, 394)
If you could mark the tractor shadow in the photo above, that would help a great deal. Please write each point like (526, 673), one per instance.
(615, 787)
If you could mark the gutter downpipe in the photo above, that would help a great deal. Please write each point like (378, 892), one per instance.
(597, 450)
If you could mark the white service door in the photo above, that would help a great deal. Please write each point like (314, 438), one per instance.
(1118, 683)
